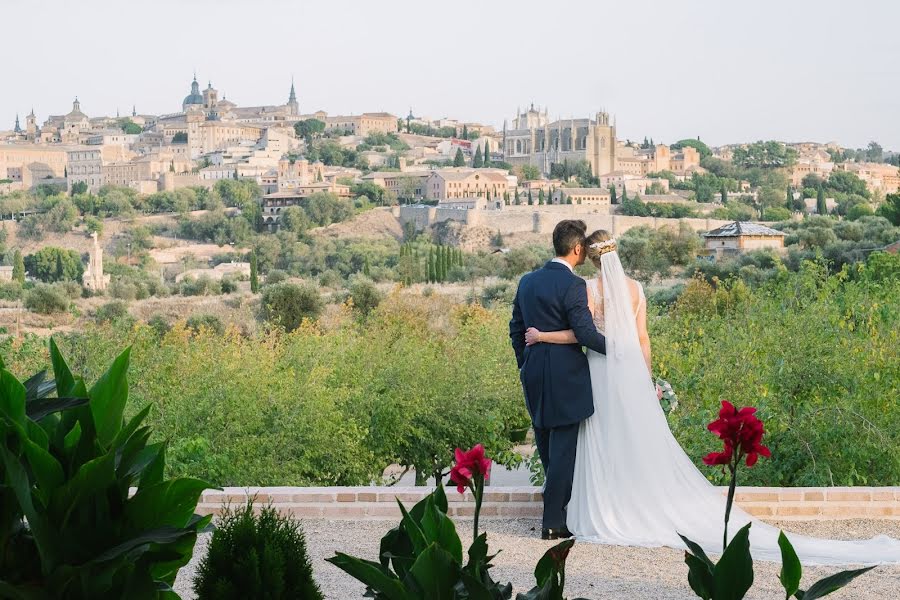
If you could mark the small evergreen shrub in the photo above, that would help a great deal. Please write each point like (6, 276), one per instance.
(256, 557)
(209, 322)
(287, 304)
(46, 299)
(111, 312)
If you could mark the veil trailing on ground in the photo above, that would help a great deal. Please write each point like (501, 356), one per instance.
(636, 486)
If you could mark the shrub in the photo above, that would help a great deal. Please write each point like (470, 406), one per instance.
(70, 526)
(111, 312)
(46, 299)
(197, 323)
(11, 290)
(159, 324)
(51, 264)
(256, 557)
(228, 285)
(276, 276)
(202, 286)
(288, 304)
(365, 297)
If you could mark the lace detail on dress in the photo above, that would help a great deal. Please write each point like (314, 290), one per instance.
(599, 313)
(597, 297)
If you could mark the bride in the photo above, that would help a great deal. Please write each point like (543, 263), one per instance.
(634, 485)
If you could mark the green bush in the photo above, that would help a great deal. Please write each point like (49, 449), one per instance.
(197, 323)
(50, 264)
(288, 304)
(365, 297)
(11, 290)
(69, 526)
(47, 299)
(256, 557)
(276, 276)
(112, 312)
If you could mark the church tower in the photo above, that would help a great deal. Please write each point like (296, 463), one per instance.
(31, 128)
(602, 145)
(17, 128)
(292, 104)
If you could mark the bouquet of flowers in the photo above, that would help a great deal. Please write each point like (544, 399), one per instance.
(667, 397)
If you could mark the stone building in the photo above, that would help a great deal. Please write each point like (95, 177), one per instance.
(741, 236)
(534, 140)
(582, 196)
(363, 124)
(456, 183)
(85, 165)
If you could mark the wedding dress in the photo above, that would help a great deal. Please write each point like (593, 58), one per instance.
(635, 486)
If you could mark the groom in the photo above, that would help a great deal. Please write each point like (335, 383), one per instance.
(555, 377)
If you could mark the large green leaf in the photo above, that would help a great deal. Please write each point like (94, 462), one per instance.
(91, 479)
(697, 551)
(108, 398)
(373, 575)
(12, 399)
(47, 470)
(791, 570)
(733, 574)
(65, 382)
(435, 573)
(38, 409)
(132, 426)
(161, 535)
(412, 529)
(170, 503)
(700, 576)
(438, 528)
(552, 562)
(17, 479)
(476, 589)
(825, 586)
(37, 387)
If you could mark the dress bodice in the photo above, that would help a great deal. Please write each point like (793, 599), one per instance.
(597, 297)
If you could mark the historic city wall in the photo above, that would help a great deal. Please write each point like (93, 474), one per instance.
(531, 219)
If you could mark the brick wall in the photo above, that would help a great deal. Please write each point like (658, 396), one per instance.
(801, 504)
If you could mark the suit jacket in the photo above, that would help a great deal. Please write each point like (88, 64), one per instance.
(555, 377)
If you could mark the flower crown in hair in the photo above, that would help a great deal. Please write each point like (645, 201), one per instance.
(601, 248)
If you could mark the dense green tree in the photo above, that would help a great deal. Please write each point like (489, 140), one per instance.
(529, 172)
(764, 155)
(478, 161)
(53, 264)
(821, 205)
(459, 160)
(288, 304)
(541, 196)
(530, 198)
(254, 273)
(180, 138)
(890, 208)
(723, 195)
(309, 129)
(487, 154)
(612, 195)
(18, 273)
(465, 132)
(789, 203)
(701, 148)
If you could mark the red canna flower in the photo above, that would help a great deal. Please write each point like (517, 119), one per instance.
(741, 432)
(468, 465)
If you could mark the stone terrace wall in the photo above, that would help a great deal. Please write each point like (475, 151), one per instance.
(784, 504)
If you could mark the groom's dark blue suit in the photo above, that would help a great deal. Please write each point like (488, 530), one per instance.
(555, 377)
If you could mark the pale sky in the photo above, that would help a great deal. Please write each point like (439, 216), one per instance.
(727, 71)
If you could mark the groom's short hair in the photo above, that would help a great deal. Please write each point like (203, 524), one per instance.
(567, 234)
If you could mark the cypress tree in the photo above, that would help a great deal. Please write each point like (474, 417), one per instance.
(725, 193)
(431, 274)
(18, 273)
(612, 195)
(459, 160)
(516, 197)
(530, 199)
(790, 199)
(478, 161)
(821, 205)
(487, 153)
(624, 193)
(465, 134)
(60, 270)
(254, 273)
(366, 268)
(541, 196)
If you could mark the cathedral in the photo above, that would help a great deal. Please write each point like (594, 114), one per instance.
(535, 140)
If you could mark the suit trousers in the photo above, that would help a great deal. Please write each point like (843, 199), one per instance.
(556, 447)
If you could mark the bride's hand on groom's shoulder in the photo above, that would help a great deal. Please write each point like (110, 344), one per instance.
(532, 336)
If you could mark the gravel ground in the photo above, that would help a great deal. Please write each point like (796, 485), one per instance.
(593, 571)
